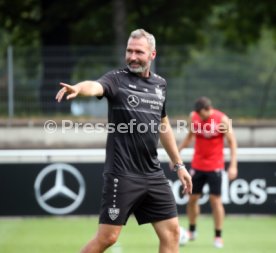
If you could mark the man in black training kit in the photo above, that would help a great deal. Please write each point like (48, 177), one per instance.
(133, 180)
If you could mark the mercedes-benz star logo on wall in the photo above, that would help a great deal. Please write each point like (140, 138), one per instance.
(133, 100)
(51, 185)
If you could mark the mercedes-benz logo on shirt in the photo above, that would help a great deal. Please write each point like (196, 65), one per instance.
(52, 190)
(133, 100)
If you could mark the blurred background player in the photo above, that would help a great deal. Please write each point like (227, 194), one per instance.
(209, 127)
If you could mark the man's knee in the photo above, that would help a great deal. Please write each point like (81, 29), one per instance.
(215, 200)
(107, 240)
(171, 235)
(102, 241)
(193, 199)
(176, 234)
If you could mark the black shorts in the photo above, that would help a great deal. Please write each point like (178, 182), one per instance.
(149, 199)
(212, 178)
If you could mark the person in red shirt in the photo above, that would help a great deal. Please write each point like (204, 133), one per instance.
(209, 127)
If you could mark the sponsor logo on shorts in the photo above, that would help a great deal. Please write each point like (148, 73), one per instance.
(113, 213)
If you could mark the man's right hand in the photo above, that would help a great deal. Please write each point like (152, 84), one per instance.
(71, 90)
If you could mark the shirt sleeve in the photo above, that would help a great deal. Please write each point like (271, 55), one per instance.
(110, 85)
(164, 111)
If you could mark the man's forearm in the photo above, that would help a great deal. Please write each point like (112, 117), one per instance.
(233, 154)
(168, 141)
(232, 143)
(90, 88)
(172, 152)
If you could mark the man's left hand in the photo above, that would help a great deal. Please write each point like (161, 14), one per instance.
(186, 180)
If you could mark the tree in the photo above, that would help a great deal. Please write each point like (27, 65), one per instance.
(60, 23)
(242, 21)
(49, 23)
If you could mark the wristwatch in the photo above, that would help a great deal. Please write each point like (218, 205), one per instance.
(179, 166)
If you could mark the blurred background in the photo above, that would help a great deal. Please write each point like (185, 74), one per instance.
(223, 49)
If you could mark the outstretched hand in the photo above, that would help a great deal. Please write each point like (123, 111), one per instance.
(71, 90)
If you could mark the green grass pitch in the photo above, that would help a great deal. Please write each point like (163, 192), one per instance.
(242, 234)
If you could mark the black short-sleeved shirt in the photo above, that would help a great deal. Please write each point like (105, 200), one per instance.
(135, 108)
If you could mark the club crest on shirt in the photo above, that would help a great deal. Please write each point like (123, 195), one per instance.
(158, 93)
(113, 213)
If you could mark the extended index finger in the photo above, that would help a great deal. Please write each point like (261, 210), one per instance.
(62, 91)
(66, 85)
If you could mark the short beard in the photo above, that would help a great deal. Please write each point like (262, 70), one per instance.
(139, 70)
